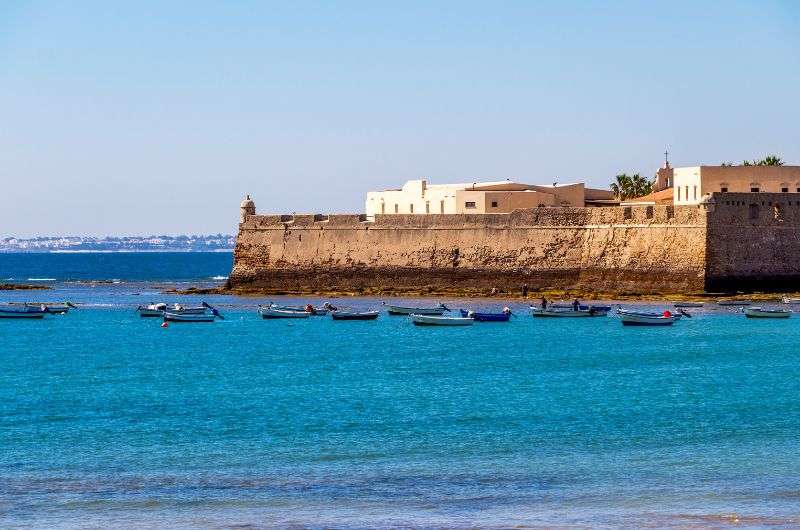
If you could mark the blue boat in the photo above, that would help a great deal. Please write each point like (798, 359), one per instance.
(486, 317)
(10, 311)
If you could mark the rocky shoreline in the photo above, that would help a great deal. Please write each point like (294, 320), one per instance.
(22, 287)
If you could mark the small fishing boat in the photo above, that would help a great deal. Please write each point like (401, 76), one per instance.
(638, 318)
(182, 309)
(590, 311)
(152, 310)
(687, 304)
(787, 300)
(22, 312)
(189, 317)
(354, 315)
(734, 303)
(434, 320)
(503, 316)
(404, 310)
(270, 312)
(308, 308)
(52, 307)
(762, 312)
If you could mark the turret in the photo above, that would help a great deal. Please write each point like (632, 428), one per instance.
(248, 207)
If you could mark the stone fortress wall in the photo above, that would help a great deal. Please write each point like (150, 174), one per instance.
(735, 241)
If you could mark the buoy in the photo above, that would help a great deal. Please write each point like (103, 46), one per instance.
(164, 325)
(667, 314)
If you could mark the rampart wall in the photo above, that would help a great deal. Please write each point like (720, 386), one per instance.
(641, 249)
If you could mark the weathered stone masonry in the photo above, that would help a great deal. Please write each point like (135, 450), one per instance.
(642, 249)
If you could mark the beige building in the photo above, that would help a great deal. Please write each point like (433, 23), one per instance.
(691, 184)
(419, 197)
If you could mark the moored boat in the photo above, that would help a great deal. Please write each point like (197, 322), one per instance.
(184, 310)
(687, 304)
(762, 312)
(734, 303)
(189, 317)
(639, 318)
(435, 320)
(590, 311)
(22, 312)
(308, 308)
(354, 315)
(152, 310)
(52, 307)
(270, 312)
(404, 310)
(503, 316)
(788, 300)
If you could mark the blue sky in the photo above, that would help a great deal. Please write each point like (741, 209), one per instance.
(157, 117)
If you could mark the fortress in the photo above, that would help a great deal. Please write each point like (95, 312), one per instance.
(728, 241)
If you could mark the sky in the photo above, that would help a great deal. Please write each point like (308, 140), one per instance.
(158, 117)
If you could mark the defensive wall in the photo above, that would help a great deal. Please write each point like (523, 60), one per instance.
(734, 241)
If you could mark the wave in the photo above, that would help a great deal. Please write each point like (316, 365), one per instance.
(219, 277)
(41, 280)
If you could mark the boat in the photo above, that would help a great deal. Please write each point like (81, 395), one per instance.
(582, 307)
(52, 307)
(737, 303)
(687, 304)
(354, 315)
(434, 320)
(590, 311)
(270, 312)
(189, 317)
(23, 312)
(178, 308)
(503, 316)
(152, 310)
(761, 312)
(308, 308)
(787, 300)
(639, 318)
(404, 310)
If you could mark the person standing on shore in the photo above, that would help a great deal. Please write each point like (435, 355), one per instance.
(544, 303)
(524, 290)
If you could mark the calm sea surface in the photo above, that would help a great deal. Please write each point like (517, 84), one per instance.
(109, 420)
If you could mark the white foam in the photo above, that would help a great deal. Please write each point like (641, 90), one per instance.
(219, 277)
(41, 279)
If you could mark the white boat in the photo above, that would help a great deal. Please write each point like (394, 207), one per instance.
(22, 312)
(308, 308)
(735, 303)
(787, 300)
(568, 313)
(270, 312)
(190, 317)
(404, 310)
(687, 304)
(52, 307)
(152, 310)
(761, 312)
(182, 309)
(636, 318)
(433, 320)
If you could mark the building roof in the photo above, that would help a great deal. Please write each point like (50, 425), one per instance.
(664, 196)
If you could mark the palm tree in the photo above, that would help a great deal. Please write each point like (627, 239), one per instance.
(771, 160)
(630, 186)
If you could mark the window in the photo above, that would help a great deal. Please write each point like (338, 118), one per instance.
(396, 208)
(383, 207)
(411, 208)
(753, 190)
(798, 190)
(686, 192)
(494, 204)
(441, 206)
(754, 211)
(695, 192)
(679, 192)
(724, 190)
(469, 204)
(784, 190)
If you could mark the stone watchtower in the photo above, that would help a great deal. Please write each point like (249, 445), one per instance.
(248, 207)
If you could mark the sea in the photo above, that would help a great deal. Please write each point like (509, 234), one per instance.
(108, 420)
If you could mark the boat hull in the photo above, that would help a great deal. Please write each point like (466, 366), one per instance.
(268, 313)
(757, 312)
(647, 319)
(182, 317)
(567, 313)
(433, 320)
(687, 304)
(4, 313)
(344, 315)
(486, 317)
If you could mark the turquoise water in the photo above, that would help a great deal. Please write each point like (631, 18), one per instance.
(107, 419)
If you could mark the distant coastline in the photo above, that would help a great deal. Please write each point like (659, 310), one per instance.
(80, 244)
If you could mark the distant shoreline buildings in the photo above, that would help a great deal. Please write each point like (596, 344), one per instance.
(163, 243)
